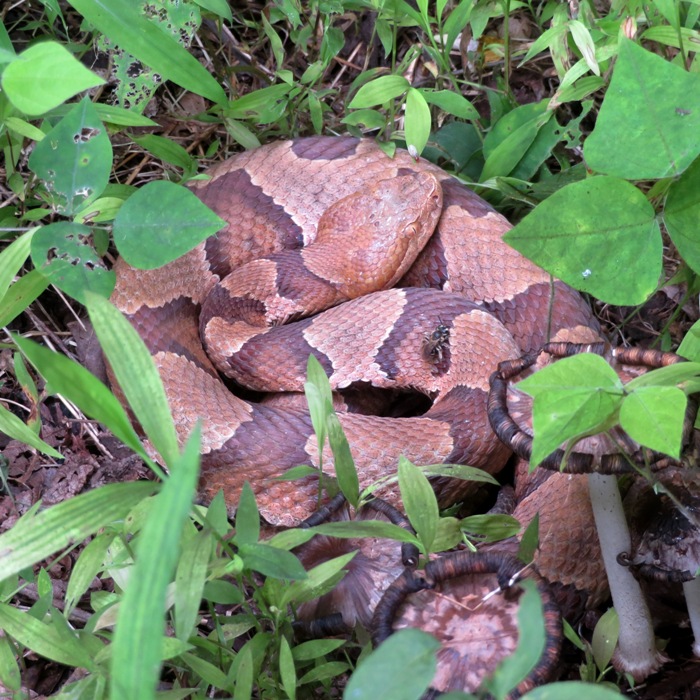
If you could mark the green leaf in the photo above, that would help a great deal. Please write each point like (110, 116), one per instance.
(9, 669)
(136, 373)
(46, 640)
(417, 121)
(288, 673)
(74, 160)
(247, 517)
(39, 535)
(380, 91)
(45, 75)
(20, 295)
(489, 527)
(12, 259)
(648, 124)
(400, 669)
(218, 7)
(531, 644)
(419, 501)
(682, 213)
(604, 638)
(451, 102)
(573, 690)
(320, 579)
(160, 222)
(575, 396)
(168, 151)
(363, 528)
(136, 650)
(89, 563)
(690, 345)
(120, 21)
(17, 429)
(64, 254)
(600, 236)
(73, 381)
(190, 579)
(342, 459)
(520, 142)
(271, 561)
(319, 398)
(653, 416)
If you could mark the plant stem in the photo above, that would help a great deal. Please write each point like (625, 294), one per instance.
(636, 653)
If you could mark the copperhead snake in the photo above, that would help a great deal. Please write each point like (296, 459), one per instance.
(465, 303)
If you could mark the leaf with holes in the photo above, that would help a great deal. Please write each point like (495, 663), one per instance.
(74, 160)
(65, 255)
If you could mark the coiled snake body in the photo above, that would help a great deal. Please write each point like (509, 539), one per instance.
(465, 303)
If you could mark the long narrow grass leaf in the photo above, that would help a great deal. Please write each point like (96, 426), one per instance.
(138, 638)
(75, 383)
(136, 373)
(122, 23)
(18, 430)
(37, 536)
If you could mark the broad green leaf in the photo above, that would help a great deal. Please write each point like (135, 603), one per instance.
(690, 345)
(400, 669)
(121, 22)
(17, 429)
(682, 213)
(649, 121)
(380, 91)
(136, 650)
(64, 254)
(451, 102)
(604, 638)
(46, 640)
(319, 398)
(45, 75)
(531, 644)
(74, 160)
(161, 222)
(73, 381)
(136, 374)
(271, 561)
(416, 121)
(448, 534)
(653, 416)
(600, 236)
(575, 396)
(573, 690)
(39, 535)
(420, 502)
